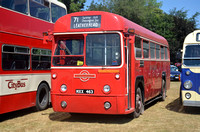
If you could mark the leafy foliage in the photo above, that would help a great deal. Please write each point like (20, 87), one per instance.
(73, 5)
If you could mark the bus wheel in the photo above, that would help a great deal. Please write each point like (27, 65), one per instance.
(164, 91)
(139, 106)
(42, 97)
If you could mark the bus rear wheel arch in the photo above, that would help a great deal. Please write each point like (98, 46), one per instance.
(42, 97)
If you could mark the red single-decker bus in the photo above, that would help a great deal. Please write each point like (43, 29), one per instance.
(103, 63)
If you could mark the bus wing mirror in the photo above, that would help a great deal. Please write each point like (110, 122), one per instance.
(47, 37)
(45, 40)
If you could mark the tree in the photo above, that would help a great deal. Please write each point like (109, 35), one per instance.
(74, 5)
(134, 10)
(182, 26)
(102, 6)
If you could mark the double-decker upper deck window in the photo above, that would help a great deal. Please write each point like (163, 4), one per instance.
(103, 50)
(16, 5)
(40, 9)
(138, 50)
(69, 52)
(57, 12)
(15, 57)
(41, 59)
(146, 49)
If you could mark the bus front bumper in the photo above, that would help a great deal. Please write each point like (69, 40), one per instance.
(191, 103)
(90, 104)
(190, 98)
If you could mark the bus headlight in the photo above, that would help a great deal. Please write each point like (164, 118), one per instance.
(187, 84)
(106, 89)
(63, 88)
(187, 72)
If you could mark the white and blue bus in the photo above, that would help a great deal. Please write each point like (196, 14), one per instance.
(190, 77)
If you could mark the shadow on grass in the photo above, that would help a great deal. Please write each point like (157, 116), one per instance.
(15, 114)
(89, 118)
(176, 106)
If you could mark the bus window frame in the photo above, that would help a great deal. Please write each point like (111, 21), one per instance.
(149, 42)
(187, 58)
(105, 55)
(162, 48)
(28, 10)
(48, 55)
(159, 51)
(59, 35)
(143, 54)
(29, 55)
(154, 50)
(136, 48)
(43, 5)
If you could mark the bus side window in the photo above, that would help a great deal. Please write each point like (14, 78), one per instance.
(166, 53)
(138, 50)
(40, 10)
(57, 12)
(152, 50)
(162, 52)
(41, 59)
(157, 51)
(15, 58)
(16, 5)
(145, 49)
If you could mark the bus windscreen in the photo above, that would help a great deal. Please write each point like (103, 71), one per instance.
(101, 50)
(192, 55)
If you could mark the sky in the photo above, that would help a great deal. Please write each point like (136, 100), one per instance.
(191, 5)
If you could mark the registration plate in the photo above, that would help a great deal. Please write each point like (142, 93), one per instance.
(84, 91)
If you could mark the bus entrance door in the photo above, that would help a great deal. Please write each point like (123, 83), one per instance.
(129, 46)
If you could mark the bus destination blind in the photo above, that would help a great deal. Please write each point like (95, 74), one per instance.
(79, 22)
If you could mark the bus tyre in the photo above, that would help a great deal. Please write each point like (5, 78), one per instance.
(139, 106)
(42, 97)
(164, 91)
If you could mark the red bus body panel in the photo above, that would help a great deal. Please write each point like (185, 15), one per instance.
(89, 103)
(94, 103)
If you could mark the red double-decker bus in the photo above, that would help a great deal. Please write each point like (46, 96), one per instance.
(25, 77)
(103, 63)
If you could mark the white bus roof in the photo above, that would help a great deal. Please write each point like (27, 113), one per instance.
(57, 3)
(193, 38)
